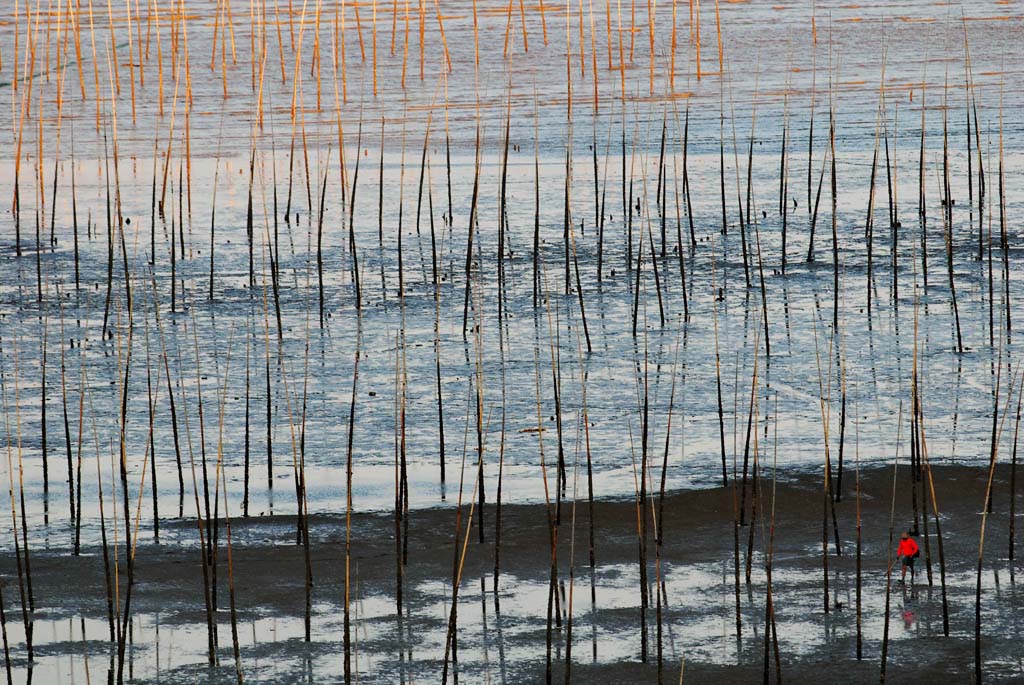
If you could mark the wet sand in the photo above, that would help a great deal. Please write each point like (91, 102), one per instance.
(503, 638)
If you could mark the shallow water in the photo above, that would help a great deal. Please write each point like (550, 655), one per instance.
(501, 638)
(223, 329)
(876, 351)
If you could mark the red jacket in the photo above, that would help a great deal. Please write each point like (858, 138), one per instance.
(907, 548)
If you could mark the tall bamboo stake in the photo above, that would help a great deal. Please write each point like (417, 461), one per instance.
(890, 562)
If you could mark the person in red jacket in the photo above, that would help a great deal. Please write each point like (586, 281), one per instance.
(907, 552)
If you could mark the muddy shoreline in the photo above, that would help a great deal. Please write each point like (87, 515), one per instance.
(269, 571)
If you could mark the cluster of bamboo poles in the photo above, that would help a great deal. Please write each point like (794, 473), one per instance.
(176, 382)
(60, 35)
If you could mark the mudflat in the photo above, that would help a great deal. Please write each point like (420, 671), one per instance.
(592, 624)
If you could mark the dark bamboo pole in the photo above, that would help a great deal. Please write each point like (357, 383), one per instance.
(869, 222)
(718, 367)
(351, 221)
(151, 407)
(110, 240)
(320, 239)
(536, 206)
(42, 411)
(74, 209)
(380, 215)
(938, 529)
(437, 329)
(835, 218)
(131, 544)
(246, 450)
(1004, 239)
(978, 665)
(922, 204)
(810, 123)
(770, 556)
(890, 562)
(817, 202)
(721, 155)
(754, 494)
(231, 585)
(213, 210)
(947, 221)
(642, 499)
(249, 228)
(860, 540)
(81, 437)
(203, 525)
(890, 170)
(103, 528)
(1013, 487)
(567, 211)
(348, 502)
(152, 205)
(750, 428)
(171, 401)
(599, 199)
(7, 650)
(503, 214)
(21, 551)
(784, 174)
(680, 247)
(472, 230)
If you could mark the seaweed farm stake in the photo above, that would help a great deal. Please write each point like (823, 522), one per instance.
(890, 562)
(171, 402)
(348, 503)
(856, 456)
(3, 623)
(320, 240)
(978, 672)
(469, 239)
(947, 221)
(922, 205)
(351, 224)
(718, 366)
(380, 213)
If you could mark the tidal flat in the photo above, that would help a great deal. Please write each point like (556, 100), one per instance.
(375, 341)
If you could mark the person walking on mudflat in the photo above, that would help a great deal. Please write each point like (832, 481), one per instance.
(906, 553)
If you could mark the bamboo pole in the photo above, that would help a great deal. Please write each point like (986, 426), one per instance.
(348, 501)
(21, 551)
(978, 669)
(890, 562)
